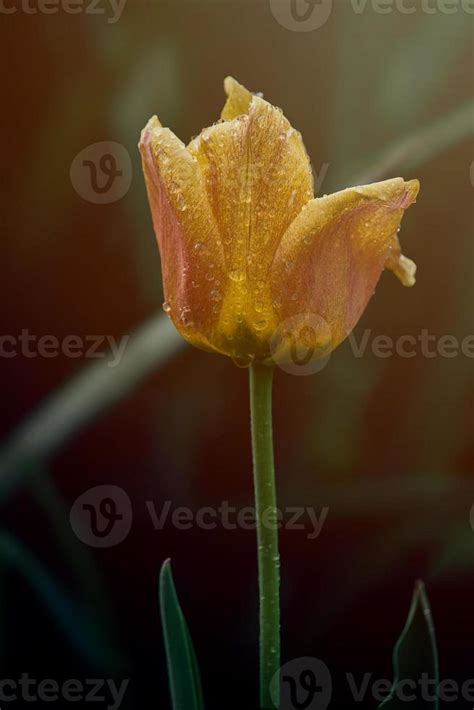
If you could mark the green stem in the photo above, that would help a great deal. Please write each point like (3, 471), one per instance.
(267, 532)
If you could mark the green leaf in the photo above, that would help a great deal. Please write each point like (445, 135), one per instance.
(183, 671)
(416, 655)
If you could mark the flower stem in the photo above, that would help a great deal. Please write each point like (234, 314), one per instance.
(261, 378)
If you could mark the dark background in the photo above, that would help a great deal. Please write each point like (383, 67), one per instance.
(386, 443)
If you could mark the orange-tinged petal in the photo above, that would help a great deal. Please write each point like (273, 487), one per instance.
(332, 255)
(187, 234)
(258, 177)
(245, 247)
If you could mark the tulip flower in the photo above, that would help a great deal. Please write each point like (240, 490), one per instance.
(246, 248)
(245, 245)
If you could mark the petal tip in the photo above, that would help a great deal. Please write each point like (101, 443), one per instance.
(403, 267)
(396, 193)
(406, 271)
(145, 135)
(230, 84)
(411, 190)
(238, 99)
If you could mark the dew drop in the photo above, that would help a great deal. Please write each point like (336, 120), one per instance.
(241, 362)
(236, 275)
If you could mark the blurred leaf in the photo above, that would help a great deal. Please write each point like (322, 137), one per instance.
(83, 397)
(417, 148)
(183, 671)
(77, 557)
(405, 94)
(82, 634)
(415, 654)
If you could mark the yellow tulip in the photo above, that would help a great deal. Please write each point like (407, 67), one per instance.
(246, 247)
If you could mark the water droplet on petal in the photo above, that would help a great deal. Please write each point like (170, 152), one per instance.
(240, 362)
(236, 275)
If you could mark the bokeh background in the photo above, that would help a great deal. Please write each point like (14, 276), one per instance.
(386, 444)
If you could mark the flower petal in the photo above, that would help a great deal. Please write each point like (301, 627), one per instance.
(238, 99)
(403, 268)
(258, 177)
(187, 234)
(332, 255)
